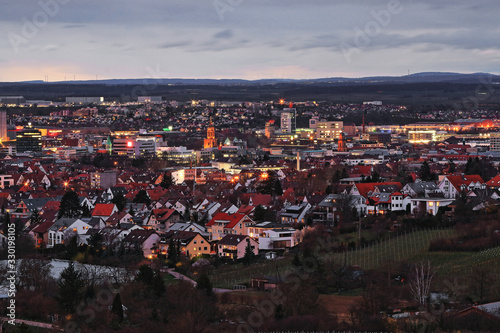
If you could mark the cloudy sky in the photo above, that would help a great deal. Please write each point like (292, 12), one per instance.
(250, 39)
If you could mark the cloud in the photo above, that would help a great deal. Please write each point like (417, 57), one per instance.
(74, 26)
(224, 34)
(174, 44)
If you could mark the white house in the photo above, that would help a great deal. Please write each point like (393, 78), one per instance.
(429, 205)
(64, 229)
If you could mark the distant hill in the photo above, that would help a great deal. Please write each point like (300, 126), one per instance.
(416, 89)
(430, 77)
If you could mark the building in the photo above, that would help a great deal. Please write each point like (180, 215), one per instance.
(329, 130)
(288, 121)
(495, 141)
(313, 122)
(223, 224)
(84, 100)
(134, 146)
(269, 130)
(3, 126)
(6, 181)
(425, 137)
(272, 236)
(29, 139)
(234, 246)
(12, 100)
(64, 229)
(381, 136)
(191, 244)
(210, 141)
(103, 180)
(149, 99)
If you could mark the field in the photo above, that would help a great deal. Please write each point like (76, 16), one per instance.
(407, 247)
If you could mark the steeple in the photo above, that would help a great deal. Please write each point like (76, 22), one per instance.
(210, 141)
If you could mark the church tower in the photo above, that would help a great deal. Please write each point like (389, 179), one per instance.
(210, 141)
(341, 143)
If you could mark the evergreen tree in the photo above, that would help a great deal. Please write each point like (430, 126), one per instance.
(71, 284)
(259, 214)
(425, 172)
(249, 254)
(172, 253)
(117, 308)
(451, 167)
(142, 197)
(205, 285)
(344, 173)
(120, 201)
(166, 181)
(35, 217)
(277, 187)
(5, 219)
(70, 205)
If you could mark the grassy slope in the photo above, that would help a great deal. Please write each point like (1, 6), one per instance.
(410, 247)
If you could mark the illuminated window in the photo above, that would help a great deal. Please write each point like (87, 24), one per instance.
(431, 204)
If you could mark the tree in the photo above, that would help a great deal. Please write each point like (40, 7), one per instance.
(451, 167)
(205, 285)
(120, 201)
(249, 256)
(278, 190)
(173, 253)
(70, 205)
(142, 197)
(270, 184)
(425, 172)
(5, 220)
(151, 280)
(117, 308)
(261, 214)
(71, 284)
(35, 217)
(34, 274)
(420, 281)
(345, 204)
(166, 181)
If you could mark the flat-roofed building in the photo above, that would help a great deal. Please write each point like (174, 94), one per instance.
(329, 130)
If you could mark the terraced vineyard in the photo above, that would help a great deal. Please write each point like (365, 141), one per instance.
(411, 247)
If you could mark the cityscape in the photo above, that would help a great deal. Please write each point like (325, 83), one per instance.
(249, 166)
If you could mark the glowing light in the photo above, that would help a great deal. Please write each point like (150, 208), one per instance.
(130, 144)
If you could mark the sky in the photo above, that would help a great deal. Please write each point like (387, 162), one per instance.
(247, 39)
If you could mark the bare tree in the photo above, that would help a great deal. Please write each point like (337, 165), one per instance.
(420, 281)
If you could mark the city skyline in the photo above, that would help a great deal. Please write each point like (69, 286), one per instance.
(58, 40)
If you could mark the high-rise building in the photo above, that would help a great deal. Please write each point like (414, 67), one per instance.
(3, 126)
(329, 130)
(210, 141)
(288, 120)
(495, 141)
(134, 147)
(29, 139)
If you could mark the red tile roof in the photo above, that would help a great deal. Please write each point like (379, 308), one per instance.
(364, 188)
(103, 209)
(230, 219)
